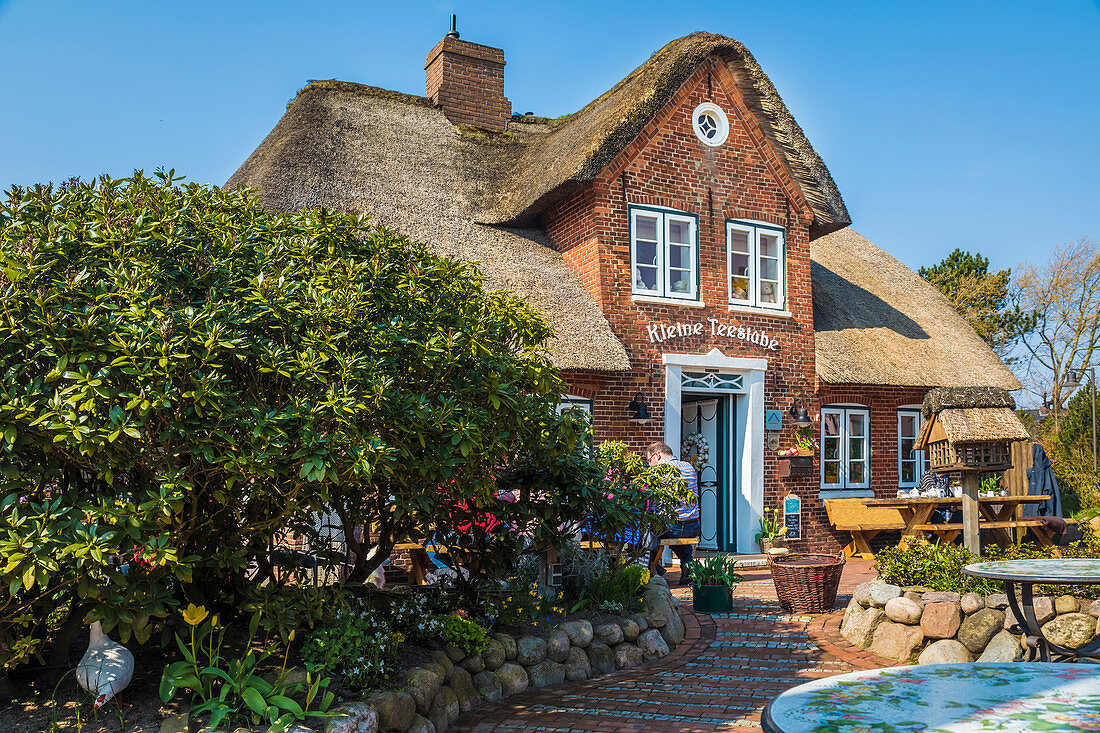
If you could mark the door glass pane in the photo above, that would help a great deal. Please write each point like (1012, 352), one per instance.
(769, 245)
(855, 473)
(645, 227)
(679, 232)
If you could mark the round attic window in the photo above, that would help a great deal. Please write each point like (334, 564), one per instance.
(710, 124)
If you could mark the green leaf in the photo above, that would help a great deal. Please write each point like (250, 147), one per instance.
(254, 700)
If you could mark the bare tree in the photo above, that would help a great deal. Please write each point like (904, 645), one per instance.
(1064, 294)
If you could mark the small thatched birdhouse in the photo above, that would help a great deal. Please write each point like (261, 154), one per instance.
(969, 429)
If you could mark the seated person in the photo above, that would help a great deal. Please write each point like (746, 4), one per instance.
(687, 515)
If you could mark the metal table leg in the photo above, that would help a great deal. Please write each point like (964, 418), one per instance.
(1037, 644)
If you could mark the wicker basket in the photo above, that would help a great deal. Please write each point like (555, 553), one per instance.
(806, 583)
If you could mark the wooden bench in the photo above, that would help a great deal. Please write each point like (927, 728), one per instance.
(863, 522)
(591, 545)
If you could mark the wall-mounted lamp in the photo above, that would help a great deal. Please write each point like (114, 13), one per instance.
(799, 416)
(638, 411)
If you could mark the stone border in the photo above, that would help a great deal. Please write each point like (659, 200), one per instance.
(434, 695)
(929, 627)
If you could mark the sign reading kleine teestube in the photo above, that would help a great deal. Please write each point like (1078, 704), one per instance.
(659, 332)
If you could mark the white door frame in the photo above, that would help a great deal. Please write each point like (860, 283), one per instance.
(747, 503)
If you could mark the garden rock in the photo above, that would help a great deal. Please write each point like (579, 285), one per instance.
(903, 610)
(656, 620)
(423, 684)
(1004, 647)
(914, 596)
(513, 678)
(661, 606)
(853, 608)
(530, 650)
(653, 645)
(579, 632)
(609, 633)
(940, 596)
(601, 657)
(445, 709)
(628, 656)
(896, 641)
(463, 685)
(494, 655)
(488, 686)
(420, 724)
(358, 717)
(1044, 609)
(1072, 630)
(941, 620)
(176, 724)
(996, 600)
(880, 593)
(454, 653)
(979, 628)
(640, 620)
(577, 666)
(472, 663)
(546, 673)
(630, 629)
(441, 658)
(945, 651)
(395, 709)
(557, 646)
(861, 627)
(972, 603)
(1066, 604)
(862, 594)
(1093, 609)
(509, 644)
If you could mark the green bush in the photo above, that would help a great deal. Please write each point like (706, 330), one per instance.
(618, 590)
(454, 630)
(361, 646)
(935, 566)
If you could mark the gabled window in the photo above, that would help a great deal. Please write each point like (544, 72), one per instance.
(664, 253)
(845, 447)
(756, 262)
(911, 463)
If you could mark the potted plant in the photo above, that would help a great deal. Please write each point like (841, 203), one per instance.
(712, 581)
(771, 532)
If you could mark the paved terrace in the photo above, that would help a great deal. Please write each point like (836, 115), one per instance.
(719, 679)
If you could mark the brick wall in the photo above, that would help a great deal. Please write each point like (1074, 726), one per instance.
(467, 81)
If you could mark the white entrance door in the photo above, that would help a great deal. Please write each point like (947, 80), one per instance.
(703, 417)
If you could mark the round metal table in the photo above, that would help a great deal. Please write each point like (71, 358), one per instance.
(1020, 697)
(1027, 574)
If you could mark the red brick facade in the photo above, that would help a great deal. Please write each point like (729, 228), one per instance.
(668, 166)
(467, 81)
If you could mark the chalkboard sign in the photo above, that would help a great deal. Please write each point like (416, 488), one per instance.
(792, 516)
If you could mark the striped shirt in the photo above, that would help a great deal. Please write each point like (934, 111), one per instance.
(686, 512)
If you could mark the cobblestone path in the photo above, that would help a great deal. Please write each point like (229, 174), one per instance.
(719, 679)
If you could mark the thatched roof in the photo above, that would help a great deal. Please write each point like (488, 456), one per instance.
(396, 157)
(877, 322)
(571, 151)
(977, 425)
(945, 398)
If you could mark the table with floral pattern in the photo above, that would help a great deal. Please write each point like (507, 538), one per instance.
(1083, 570)
(944, 698)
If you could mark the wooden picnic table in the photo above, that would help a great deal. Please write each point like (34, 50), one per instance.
(995, 513)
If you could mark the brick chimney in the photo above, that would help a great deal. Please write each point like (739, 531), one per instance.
(467, 81)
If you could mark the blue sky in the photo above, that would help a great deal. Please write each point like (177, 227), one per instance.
(945, 124)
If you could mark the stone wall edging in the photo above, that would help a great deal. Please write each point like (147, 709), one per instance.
(435, 694)
(914, 624)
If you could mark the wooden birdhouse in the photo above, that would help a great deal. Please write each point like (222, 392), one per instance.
(969, 429)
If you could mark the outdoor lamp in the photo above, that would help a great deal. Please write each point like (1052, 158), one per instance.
(637, 408)
(800, 417)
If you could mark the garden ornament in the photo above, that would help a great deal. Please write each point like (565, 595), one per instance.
(106, 668)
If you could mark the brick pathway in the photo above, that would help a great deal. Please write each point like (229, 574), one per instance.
(719, 679)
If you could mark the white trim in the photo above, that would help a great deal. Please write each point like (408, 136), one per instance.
(753, 232)
(663, 219)
(723, 127)
(846, 494)
(668, 301)
(760, 311)
(843, 459)
(747, 497)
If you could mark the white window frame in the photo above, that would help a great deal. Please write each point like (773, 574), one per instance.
(665, 217)
(842, 412)
(754, 229)
(575, 402)
(918, 455)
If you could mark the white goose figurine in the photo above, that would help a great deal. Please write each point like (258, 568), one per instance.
(106, 668)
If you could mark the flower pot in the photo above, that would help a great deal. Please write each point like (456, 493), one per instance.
(767, 543)
(712, 598)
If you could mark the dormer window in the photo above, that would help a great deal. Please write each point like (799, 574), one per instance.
(756, 262)
(664, 253)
